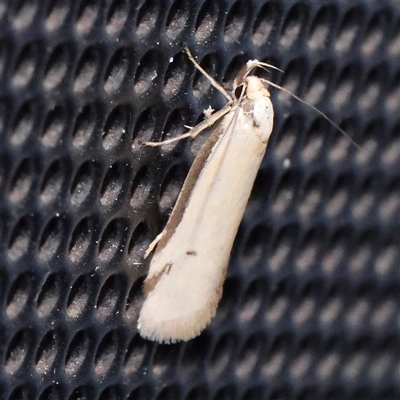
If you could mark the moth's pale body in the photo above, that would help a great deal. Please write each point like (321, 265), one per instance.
(184, 283)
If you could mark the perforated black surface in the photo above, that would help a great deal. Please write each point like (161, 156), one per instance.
(311, 306)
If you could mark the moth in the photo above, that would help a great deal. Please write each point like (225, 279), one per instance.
(189, 264)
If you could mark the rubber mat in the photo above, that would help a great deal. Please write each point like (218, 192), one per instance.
(311, 304)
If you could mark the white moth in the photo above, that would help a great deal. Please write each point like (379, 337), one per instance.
(188, 268)
(187, 271)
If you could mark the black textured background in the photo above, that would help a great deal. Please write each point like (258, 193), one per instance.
(311, 306)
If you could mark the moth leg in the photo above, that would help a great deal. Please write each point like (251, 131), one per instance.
(193, 132)
(168, 141)
(213, 82)
(153, 244)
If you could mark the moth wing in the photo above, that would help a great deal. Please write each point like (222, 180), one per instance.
(186, 274)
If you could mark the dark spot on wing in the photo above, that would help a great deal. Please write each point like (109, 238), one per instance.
(167, 268)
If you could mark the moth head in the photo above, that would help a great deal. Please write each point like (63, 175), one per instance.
(242, 80)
